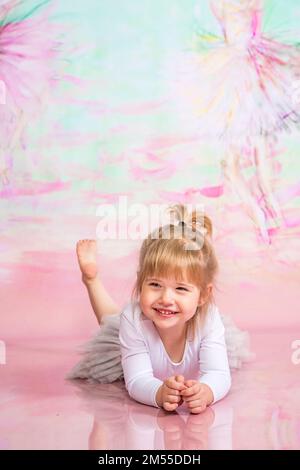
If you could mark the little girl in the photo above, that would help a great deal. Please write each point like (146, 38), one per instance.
(168, 342)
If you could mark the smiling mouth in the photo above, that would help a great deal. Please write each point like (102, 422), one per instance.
(164, 312)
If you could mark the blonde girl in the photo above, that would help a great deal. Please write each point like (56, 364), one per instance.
(168, 342)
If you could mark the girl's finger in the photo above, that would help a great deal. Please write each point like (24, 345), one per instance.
(170, 406)
(197, 404)
(191, 398)
(173, 384)
(190, 383)
(172, 391)
(198, 409)
(173, 399)
(190, 391)
(179, 378)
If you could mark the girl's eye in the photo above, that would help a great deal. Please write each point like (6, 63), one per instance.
(155, 284)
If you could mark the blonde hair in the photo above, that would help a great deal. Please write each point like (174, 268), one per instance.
(187, 250)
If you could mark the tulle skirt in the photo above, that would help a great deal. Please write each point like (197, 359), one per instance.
(101, 356)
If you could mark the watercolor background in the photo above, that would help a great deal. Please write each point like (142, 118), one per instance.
(108, 130)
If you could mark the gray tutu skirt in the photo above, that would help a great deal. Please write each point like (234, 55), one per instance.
(101, 356)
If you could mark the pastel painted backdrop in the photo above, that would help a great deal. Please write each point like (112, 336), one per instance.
(94, 110)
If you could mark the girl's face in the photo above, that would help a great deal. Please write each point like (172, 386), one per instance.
(169, 303)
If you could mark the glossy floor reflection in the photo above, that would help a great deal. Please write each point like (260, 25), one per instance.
(40, 410)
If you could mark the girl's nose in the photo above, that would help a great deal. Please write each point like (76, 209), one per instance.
(166, 297)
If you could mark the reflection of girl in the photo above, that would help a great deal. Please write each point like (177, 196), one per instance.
(109, 406)
(150, 428)
(190, 434)
(240, 90)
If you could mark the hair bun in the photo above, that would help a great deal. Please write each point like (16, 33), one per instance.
(196, 220)
(202, 220)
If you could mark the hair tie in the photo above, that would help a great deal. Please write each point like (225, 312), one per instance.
(194, 226)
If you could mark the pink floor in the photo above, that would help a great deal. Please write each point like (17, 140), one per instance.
(45, 314)
(40, 410)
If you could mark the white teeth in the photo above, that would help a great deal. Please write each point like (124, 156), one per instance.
(166, 312)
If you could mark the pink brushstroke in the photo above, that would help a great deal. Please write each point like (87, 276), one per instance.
(167, 141)
(34, 188)
(30, 220)
(186, 196)
(213, 191)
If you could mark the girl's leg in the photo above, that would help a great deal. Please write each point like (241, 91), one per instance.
(233, 174)
(101, 301)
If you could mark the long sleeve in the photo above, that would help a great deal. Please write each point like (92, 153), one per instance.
(213, 360)
(138, 373)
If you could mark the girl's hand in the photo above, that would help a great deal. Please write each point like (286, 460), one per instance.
(197, 396)
(168, 395)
